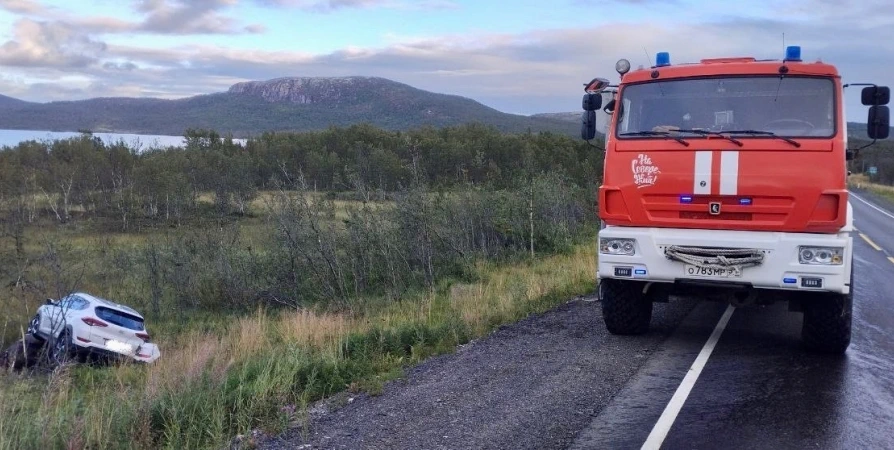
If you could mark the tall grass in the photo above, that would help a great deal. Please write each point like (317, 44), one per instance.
(882, 190)
(262, 370)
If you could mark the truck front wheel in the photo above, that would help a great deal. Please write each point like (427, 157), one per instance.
(827, 323)
(625, 308)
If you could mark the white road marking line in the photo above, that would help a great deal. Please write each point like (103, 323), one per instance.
(666, 421)
(891, 258)
(729, 173)
(702, 176)
(872, 206)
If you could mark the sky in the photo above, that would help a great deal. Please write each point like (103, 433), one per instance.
(523, 56)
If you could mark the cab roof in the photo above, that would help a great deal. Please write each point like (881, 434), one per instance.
(730, 66)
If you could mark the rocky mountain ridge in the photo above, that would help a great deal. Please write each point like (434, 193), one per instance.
(281, 104)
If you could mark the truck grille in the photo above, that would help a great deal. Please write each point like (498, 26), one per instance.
(721, 216)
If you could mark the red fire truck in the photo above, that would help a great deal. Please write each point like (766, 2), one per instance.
(727, 179)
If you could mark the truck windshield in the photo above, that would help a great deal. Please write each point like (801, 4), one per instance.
(791, 107)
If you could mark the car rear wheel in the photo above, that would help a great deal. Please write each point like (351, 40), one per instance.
(63, 350)
(625, 308)
(34, 327)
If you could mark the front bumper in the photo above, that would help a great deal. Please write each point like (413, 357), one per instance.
(777, 271)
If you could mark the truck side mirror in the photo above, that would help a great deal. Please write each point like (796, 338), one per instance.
(588, 125)
(878, 125)
(592, 102)
(875, 95)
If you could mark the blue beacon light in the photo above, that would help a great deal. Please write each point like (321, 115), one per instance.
(793, 53)
(662, 59)
(685, 199)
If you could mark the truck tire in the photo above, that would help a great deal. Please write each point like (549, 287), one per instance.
(625, 309)
(827, 323)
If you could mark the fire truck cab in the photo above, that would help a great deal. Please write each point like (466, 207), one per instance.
(727, 179)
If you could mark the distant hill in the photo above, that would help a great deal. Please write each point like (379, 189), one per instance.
(11, 102)
(858, 131)
(283, 104)
(563, 116)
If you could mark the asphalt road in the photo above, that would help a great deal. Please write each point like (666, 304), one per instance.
(560, 381)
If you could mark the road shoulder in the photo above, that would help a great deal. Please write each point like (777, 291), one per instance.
(533, 384)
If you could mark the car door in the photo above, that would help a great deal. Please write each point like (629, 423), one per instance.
(71, 312)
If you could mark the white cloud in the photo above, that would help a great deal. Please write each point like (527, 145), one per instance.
(23, 6)
(324, 6)
(539, 71)
(49, 44)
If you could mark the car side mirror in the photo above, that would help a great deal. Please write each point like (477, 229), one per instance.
(50, 301)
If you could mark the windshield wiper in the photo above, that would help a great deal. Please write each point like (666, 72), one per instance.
(711, 133)
(765, 133)
(666, 135)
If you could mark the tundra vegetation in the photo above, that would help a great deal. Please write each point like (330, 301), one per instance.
(881, 156)
(279, 272)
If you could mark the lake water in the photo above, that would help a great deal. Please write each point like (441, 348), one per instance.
(12, 138)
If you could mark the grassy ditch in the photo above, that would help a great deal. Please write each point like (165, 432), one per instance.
(884, 191)
(863, 182)
(262, 370)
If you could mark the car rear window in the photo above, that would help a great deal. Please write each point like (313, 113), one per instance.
(120, 318)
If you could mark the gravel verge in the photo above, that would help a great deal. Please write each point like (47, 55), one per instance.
(532, 384)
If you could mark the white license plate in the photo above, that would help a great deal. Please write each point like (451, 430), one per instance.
(119, 347)
(712, 272)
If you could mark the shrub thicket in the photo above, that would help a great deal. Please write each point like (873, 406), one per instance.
(220, 227)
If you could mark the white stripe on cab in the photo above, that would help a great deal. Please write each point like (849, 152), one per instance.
(702, 183)
(729, 173)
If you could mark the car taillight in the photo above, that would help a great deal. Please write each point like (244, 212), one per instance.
(143, 336)
(94, 322)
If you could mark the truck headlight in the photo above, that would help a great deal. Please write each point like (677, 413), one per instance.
(829, 256)
(617, 246)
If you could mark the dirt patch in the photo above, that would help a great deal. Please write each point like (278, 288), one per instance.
(23, 354)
